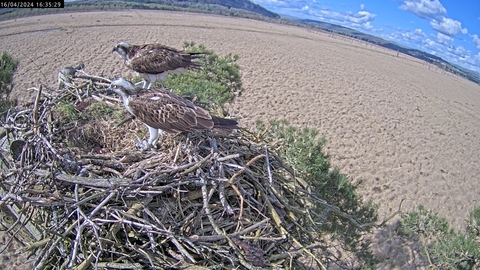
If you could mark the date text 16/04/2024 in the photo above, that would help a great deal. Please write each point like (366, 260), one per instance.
(33, 4)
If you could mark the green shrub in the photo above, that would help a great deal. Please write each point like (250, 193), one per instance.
(66, 112)
(455, 251)
(216, 82)
(8, 65)
(99, 110)
(474, 222)
(423, 221)
(446, 248)
(303, 150)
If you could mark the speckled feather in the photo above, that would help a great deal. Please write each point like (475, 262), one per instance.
(173, 114)
(157, 58)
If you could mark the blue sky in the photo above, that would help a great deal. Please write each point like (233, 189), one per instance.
(446, 28)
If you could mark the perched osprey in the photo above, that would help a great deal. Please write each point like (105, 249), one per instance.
(153, 62)
(166, 111)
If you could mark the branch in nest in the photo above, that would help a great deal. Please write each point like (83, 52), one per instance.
(87, 181)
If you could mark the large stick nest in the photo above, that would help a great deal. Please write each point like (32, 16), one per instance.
(87, 198)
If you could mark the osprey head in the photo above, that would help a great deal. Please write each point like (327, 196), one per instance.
(121, 48)
(122, 87)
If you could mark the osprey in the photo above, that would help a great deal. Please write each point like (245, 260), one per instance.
(166, 111)
(153, 62)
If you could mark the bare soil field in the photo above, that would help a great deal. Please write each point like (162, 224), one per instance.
(397, 126)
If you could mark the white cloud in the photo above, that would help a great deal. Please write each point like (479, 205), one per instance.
(360, 17)
(459, 51)
(453, 54)
(430, 43)
(272, 3)
(476, 41)
(433, 46)
(477, 58)
(367, 26)
(363, 17)
(416, 36)
(444, 39)
(448, 26)
(419, 32)
(424, 8)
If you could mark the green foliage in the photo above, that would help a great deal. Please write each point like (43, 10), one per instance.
(216, 82)
(303, 150)
(455, 251)
(474, 222)
(100, 110)
(6, 104)
(423, 221)
(446, 248)
(67, 112)
(136, 79)
(97, 110)
(8, 65)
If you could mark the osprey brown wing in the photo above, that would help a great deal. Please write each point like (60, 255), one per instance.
(157, 58)
(171, 113)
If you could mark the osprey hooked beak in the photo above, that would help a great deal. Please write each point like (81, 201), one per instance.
(122, 87)
(115, 49)
(121, 48)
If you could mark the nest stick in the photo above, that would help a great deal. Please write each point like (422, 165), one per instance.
(35, 109)
(101, 204)
(207, 210)
(269, 171)
(197, 165)
(214, 238)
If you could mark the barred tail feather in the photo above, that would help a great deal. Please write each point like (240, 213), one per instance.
(224, 126)
(189, 63)
(197, 55)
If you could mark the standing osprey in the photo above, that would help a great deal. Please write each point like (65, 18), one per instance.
(153, 62)
(166, 111)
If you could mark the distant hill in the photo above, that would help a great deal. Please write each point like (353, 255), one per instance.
(209, 5)
(238, 8)
(240, 4)
(430, 58)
